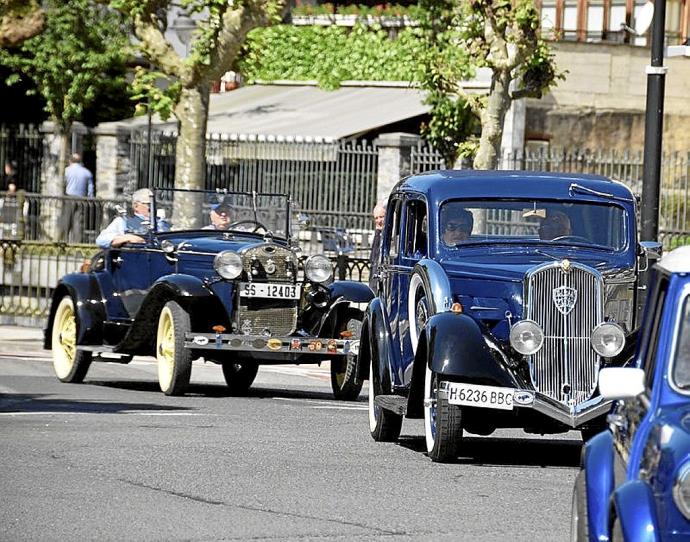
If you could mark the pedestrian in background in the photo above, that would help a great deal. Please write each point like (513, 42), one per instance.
(78, 184)
(9, 207)
(11, 181)
(379, 215)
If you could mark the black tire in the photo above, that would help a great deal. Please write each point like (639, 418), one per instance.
(579, 519)
(239, 376)
(344, 368)
(442, 422)
(174, 360)
(384, 425)
(70, 363)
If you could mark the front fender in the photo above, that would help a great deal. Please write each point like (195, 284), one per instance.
(379, 339)
(597, 462)
(455, 346)
(636, 511)
(349, 290)
(88, 304)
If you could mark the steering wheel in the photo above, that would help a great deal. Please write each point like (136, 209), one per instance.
(258, 225)
(576, 238)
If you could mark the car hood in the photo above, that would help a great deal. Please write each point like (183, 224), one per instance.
(212, 242)
(512, 265)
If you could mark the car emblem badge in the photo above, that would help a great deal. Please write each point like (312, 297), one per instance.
(274, 344)
(566, 266)
(523, 397)
(270, 267)
(295, 344)
(332, 346)
(565, 298)
(200, 340)
(246, 327)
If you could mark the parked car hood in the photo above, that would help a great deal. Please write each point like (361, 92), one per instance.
(211, 242)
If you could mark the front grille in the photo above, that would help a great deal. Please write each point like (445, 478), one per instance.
(268, 262)
(566, 368)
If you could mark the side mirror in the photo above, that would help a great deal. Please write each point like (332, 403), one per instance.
(621, 382)
(650, 252)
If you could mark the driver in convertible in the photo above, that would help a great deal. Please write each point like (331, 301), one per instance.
(220, 217)
(556, 224)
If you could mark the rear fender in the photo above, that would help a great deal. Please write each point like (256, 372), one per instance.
(88, 304)
(635, 508)
(597, 462)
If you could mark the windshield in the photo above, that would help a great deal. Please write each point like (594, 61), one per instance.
(179, 210)
(681, 362)
(532, 221)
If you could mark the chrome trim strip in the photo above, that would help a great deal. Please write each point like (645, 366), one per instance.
(685, 293)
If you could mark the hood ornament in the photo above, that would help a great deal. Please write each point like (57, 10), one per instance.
(565, 298)
(566, 266)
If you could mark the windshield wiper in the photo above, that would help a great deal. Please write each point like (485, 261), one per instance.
(538, 251)
(574, 187)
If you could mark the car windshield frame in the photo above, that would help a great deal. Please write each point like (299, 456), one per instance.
(679, 346)
(538, 209)
(215, 197)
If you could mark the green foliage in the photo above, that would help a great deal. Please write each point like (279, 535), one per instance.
(155, 90)
(380, 10)
(79, 55)
(331, 54)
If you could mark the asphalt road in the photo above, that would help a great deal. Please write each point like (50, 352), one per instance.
(114, 459)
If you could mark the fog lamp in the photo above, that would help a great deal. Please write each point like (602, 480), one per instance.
(527, 337)
(608, 339)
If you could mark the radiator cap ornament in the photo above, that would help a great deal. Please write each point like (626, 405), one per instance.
(566, 265)
(565, 298)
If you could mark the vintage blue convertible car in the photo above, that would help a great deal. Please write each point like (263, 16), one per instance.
(635, 478)
(240, 297)
(500, 296)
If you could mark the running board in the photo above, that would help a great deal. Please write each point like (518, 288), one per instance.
(105, 353)
(395, 403)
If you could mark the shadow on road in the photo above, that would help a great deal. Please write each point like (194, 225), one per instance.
(24, 402)
(519, 452)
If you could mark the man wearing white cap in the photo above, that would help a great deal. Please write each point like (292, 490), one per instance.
(130, 229)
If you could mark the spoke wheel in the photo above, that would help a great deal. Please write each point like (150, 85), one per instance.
(344, 368)
(442, 421)
(384, 425)
(69, 363)
(174, 360)
(239, 376)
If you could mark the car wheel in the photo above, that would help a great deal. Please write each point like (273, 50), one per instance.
(69, 363)
(239, 376)
(174, 360)
(579, 523)
(384, 425)
(344, 368)
(442, 421)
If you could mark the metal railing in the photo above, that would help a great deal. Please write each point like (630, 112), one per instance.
(29, 272)
(23, 143)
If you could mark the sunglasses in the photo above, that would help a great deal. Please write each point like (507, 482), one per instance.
(452, 226)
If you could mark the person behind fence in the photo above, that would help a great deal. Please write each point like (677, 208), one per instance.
(456, 224)
(555, 225)
(10, 182)
(220, 217)
(131, 228)
(379, 215)
(78, 184)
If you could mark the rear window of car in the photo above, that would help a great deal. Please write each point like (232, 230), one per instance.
(681, 359)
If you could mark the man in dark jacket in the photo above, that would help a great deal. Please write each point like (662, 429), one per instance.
(379, 214)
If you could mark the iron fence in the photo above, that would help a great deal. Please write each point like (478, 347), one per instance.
(29, 272)
(23, 144)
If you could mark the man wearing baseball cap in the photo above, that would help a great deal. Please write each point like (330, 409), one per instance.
(220, 217)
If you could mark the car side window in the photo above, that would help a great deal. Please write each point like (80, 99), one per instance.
(415, 242)
(681, 360)
(393, 229)
(650, 331)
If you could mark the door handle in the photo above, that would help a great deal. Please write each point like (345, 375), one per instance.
(118, 261)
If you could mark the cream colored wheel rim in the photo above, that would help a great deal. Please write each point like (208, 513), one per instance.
(165, 348)
(64, 338)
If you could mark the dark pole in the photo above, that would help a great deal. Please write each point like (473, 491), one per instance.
(654, 123)
(148, 148)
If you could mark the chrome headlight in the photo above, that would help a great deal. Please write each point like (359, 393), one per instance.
(527, 337)
(228, 264)
(681, 490)
(318, 269)
(608, 339)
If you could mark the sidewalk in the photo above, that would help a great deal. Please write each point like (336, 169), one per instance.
(21, 339)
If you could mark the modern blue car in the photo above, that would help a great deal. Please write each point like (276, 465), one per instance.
(500, 296)
(239, 293)
(635, 478)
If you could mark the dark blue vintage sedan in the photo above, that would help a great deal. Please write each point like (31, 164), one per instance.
(237, 292)
(500, 296)
(635, 478)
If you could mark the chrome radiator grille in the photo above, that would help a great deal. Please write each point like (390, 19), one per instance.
(566, 368)
(257, 318)
(269, 262)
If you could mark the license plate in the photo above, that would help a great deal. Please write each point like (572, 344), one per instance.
(272, 291)
(480, 396)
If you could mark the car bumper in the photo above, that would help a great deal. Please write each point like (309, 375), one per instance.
(575, 416)
(260, 343)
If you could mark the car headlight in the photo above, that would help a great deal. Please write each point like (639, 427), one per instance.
(527, 337)
(681, 490)
(228, 264)
(318, 269)
(608, 339)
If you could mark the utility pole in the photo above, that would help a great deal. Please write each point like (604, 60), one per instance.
(654, 123)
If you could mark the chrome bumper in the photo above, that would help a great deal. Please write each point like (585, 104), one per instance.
(574, 417)
(261, 343)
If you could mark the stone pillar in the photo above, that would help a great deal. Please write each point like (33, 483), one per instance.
(112, 160)
(394, 151)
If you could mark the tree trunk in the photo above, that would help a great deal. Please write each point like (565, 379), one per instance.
(492, 118)
(65, 148)
(190, 156)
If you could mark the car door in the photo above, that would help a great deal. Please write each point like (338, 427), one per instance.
(130, 271)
